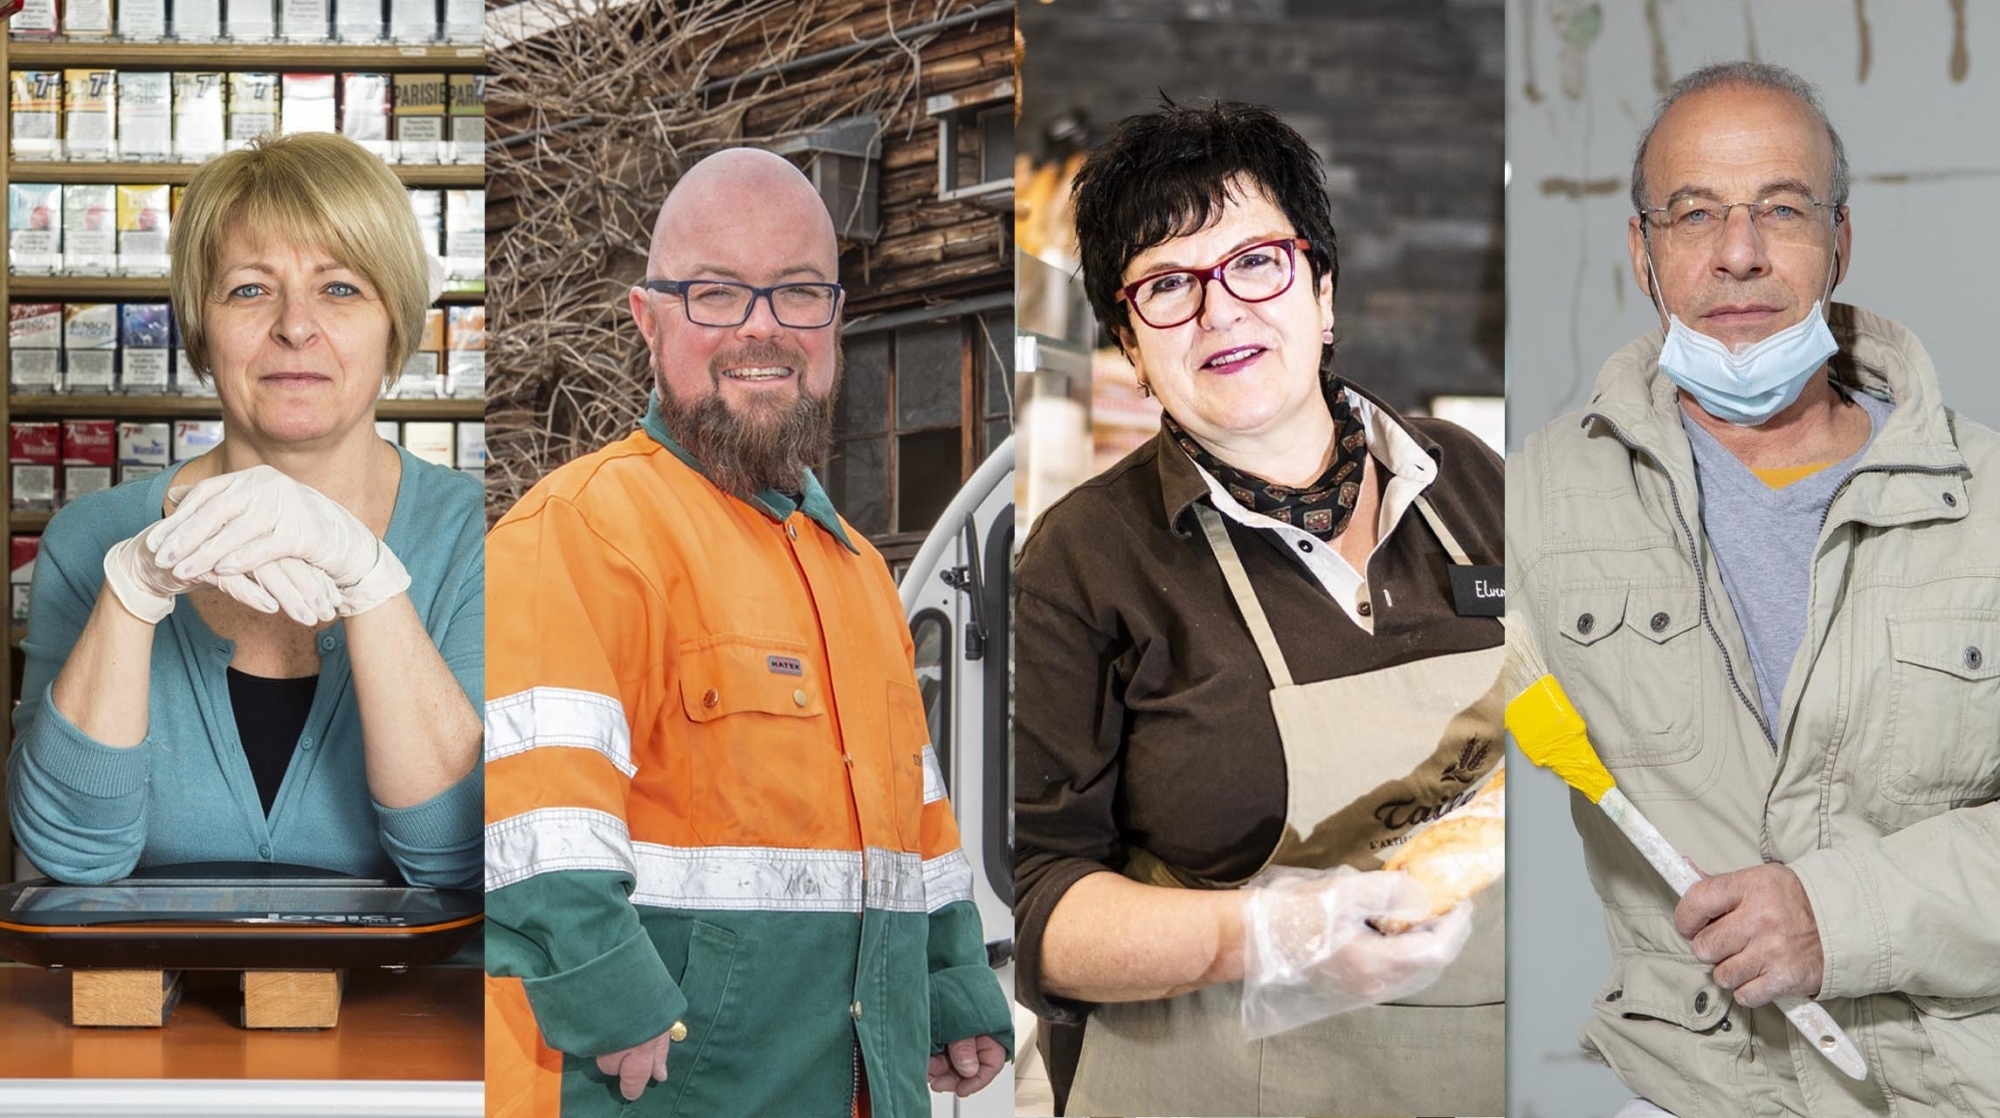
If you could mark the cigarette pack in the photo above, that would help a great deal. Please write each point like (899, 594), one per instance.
(306, 21)
(306, 104)
(145, 348)
(389, 430)
(250, 21)
(142, 21)
(34, 452)
(186, 382)
(429, 205)
(467, 109)
(34, 227)
(364, 111)
(89, 451)
(472, 446)
(90, 114)
(143, 444)
(197, 21)
(465, 356)
(133, 471)
(83, 19)
(465, 238)
(195, 437)
(142, 229)
(413, 21)
(90, 228)
(90, 347)
(419, 115)
(34, 347)
(21, 552)
(432, 442)
(35, 20)
(253, 106)
(37, 99)
(423, 373)
(145, 115)
(358, 21)
(199, 121)
(463, 20)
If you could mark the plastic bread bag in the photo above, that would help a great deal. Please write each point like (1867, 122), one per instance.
(1313, 944)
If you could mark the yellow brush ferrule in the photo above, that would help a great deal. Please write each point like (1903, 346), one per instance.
(1552, 734)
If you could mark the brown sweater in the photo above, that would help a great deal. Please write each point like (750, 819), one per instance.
(1142, 712)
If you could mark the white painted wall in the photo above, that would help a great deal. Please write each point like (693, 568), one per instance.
(1923, 140)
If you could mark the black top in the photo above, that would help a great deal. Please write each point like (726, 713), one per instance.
(270, 716)
(1142, 709)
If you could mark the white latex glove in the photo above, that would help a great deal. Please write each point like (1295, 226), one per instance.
(1310, 951)
(147, 589)
(237, 523)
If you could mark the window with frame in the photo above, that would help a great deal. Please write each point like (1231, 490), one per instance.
(920, 406)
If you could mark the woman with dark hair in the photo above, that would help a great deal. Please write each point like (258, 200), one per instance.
(1247, 673)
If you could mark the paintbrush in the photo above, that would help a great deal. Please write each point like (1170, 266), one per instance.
(1552, 734)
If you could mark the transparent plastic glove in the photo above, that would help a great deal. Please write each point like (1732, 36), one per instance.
(236, 523)
(1310, 951)
(146, 589)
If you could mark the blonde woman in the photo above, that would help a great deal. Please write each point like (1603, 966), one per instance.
(272, 652)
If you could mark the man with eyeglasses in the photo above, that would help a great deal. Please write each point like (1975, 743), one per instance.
(720, 860)
(1761, 563)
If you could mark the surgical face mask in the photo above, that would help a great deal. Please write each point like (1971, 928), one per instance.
(1755, 382)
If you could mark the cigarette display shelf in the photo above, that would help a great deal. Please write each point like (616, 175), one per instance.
(448, 176)
(390, 57)
(24, 54)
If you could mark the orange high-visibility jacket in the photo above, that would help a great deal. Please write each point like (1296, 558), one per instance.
(711, 800)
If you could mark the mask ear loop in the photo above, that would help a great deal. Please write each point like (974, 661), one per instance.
(1653, 294)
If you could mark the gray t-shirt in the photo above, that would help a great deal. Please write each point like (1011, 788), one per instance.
(1763, 540)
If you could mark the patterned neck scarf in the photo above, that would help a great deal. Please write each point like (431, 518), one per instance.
(1322, 508)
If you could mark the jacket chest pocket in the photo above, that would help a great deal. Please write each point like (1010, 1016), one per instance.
(1938, 746)
(1629, 658)
(761, 742)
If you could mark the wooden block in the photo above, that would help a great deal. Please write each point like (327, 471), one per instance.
(292, 999)
(123, 997)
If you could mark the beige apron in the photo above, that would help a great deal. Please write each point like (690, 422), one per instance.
(1369, 758)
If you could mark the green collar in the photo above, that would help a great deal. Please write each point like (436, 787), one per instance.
(814, 502)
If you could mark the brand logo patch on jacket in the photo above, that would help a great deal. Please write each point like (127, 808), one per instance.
(785, 665)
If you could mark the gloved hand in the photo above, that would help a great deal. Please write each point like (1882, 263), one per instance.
(237, 523)
(1310, 951)
(147, 589)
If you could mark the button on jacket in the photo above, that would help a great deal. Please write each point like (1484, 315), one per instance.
(712, 800)
(1876, 784)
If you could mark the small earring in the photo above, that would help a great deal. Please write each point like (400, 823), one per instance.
(1326, 336)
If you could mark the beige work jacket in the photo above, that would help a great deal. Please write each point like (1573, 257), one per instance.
(1878, 784)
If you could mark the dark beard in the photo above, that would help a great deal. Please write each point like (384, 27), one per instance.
(743, 457)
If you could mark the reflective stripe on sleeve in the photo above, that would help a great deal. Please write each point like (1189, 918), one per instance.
(778, 879)
(561, 717)
(555, 838)
(947, 878)
(934, 789)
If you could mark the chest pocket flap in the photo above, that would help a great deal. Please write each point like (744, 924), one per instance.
(733, 674)
(1966, 645)
(1588, 615)
(1660, 614)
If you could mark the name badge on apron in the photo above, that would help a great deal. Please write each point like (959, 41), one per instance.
(1479, 591)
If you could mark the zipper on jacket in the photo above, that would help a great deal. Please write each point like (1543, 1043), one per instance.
(854, 1079)
(1700, 579)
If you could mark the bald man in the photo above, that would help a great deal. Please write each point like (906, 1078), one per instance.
(722, 875)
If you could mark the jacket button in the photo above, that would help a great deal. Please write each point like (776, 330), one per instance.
(1950, 501)
(799, 698)
(792, 530)
(1973, 658)
(1725, 1024)
(854, 1011)
(1659, 622)
(1701, 1002)
(1585, 624)
(678, 1033)
(1614, 995)
(1305, 545)
(710, 697)
(1365, 609)
(264, 851)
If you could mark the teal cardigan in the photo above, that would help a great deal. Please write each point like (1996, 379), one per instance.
(86, 812)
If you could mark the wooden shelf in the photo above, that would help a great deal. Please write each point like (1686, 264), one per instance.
(28, 54)
(105, 288)
(82, 406)
(27, 520)
(460, 176)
